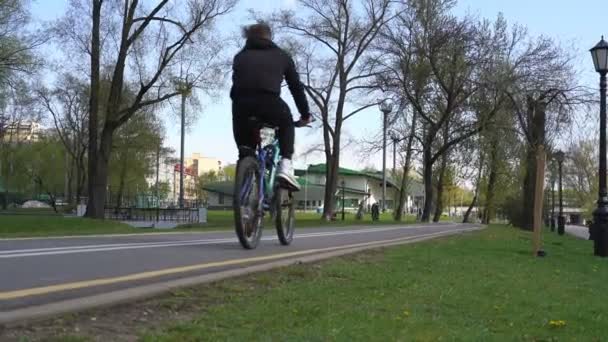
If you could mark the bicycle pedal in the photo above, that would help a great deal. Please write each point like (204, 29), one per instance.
(283, 184)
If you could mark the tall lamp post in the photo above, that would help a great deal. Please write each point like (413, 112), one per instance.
(561, 220)
(599, 229)
(386, 107)
(185, 89)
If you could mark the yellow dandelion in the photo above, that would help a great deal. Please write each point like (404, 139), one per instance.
(557, 323)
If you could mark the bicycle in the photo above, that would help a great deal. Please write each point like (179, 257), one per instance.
(257, 191)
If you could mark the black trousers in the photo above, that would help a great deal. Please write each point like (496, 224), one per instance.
(269, 109)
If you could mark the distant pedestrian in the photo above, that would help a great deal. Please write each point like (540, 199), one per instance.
(375, 212)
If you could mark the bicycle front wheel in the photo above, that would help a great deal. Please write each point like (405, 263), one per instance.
(284, 215)
(247, 211)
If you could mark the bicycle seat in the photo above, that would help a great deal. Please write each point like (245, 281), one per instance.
(257, 123)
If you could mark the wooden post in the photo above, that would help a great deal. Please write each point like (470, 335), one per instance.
(538, 199)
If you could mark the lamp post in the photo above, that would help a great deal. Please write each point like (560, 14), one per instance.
(343, 193)
(599, 229)
(386, 106)
(561, 220)
(185, 89)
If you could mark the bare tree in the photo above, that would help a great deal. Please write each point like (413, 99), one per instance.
(17, 45)
(67, 105)
(137, 45)
(442, 62)
(18, 110)
(336, 35)
(543, 97)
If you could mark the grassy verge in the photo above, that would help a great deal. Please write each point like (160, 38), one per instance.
(36, 225)
(480, 287)
(224, 220)
(483, 286)
(24, 225)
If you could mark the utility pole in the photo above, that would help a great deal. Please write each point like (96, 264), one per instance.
(181, 153)
(185, 88)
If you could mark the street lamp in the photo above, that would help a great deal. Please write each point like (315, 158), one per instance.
(600, 215)
(561, 220)
(185, 89)
(386, 106)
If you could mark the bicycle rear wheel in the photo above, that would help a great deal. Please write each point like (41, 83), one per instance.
(247, 211)
(284, 215)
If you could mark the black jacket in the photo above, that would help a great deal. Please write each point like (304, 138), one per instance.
(260, 68)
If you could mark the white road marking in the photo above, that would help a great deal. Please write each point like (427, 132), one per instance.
(139, 245)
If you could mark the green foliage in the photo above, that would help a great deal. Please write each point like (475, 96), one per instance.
(163, 190)
(36, 168)
(134, 155)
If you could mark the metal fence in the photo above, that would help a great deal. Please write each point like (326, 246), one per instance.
(187, 215)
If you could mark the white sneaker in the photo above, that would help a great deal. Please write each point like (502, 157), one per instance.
(285, 172)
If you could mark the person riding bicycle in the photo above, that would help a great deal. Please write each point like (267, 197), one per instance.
(258, 72)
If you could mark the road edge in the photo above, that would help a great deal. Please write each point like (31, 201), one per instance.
(42, 312)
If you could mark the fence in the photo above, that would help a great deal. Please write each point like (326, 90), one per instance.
(185, 215)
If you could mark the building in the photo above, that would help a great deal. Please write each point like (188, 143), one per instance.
(19, 132)
(169, 174)
(360, 188)
(190, 178)
(357, 188)
(201, 164)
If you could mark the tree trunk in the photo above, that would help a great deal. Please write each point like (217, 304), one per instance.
(101, 175)
(406, 170)
(96, 193)
(428, 183)
(537, 117)
(527, 219)
(477, 187)
(490, 210)
(440, 181)
(444, 165)
(80, 175)
(331, 183)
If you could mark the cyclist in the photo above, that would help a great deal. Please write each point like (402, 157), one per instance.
(258, 72)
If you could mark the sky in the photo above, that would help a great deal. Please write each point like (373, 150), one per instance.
(576, 24)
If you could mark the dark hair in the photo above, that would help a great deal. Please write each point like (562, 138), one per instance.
(261, 30)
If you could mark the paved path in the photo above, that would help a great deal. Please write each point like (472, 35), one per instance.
(41, 277)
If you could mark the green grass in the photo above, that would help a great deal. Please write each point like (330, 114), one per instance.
(36, 225)
(223, 219)
(31, 224)
(484, 286)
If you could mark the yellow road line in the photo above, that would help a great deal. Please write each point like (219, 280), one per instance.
(151, 274)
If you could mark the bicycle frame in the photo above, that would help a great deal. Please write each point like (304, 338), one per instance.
(267, 182)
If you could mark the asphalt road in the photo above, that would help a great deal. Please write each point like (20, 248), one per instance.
(46, 276)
